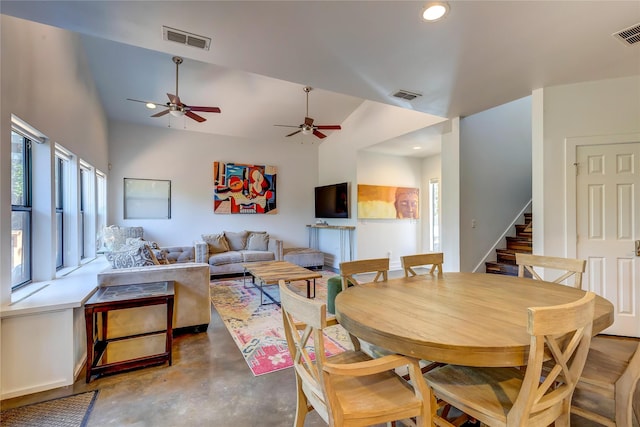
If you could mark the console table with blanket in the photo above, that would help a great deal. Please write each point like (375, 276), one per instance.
(192, 307)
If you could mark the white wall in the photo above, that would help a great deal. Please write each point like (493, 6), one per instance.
(380, 238)
(495, 176)
(186, 158)
(450, 188)
(47, 83)
(605, 107)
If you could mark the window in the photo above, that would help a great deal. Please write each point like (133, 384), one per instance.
(60, 170)
(101, 202)
(21, 195)
(434, 210)
(69, 196)
(85, 209)
(62, 198)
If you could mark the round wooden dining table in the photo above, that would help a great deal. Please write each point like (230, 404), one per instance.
(470, 319)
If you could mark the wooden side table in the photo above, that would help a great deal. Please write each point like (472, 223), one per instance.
(110, 298)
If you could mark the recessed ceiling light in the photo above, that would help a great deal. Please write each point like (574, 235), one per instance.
(435, 11)
(150, 105)
(417, 148)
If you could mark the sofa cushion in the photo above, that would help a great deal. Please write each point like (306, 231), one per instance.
(132, 256)
(179, 254)
(258, 242)
(237, 240)
(217, 243)
(229, 257)
(255, 256)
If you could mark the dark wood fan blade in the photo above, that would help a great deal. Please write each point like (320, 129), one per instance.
(288, 126)
(293, 133)
(308, 121)
(194, 116)
(161, 113)
(328, 127)
(174, 99)
(319, 134)
(205, 109)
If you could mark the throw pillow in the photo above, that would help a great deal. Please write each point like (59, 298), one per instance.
(237, 241)
(258, 242)
(161, 256)
(132, 256)
(216, 242)
(137, 241)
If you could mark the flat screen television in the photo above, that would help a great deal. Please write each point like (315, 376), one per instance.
(332, 201)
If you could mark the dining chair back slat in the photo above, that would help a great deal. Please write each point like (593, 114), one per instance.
(434, 259)
(570, 266)
(348, 270)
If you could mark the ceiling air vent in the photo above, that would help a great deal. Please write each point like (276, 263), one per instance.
(629, 36)
(183, 37)
(406, 95)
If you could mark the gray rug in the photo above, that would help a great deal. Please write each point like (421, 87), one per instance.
(70, 411)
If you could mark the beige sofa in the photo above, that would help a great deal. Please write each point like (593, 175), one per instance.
(192, 306)
(226, 252)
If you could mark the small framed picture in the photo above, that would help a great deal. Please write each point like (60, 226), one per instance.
(147, 198)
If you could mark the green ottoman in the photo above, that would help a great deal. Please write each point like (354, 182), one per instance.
(334, 286)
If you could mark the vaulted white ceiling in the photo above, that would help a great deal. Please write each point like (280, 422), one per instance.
(483, 54)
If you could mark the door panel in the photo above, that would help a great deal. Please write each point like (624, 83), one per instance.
(608, 212)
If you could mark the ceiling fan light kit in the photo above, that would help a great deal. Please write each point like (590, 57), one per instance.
(175, 107)
(435, 11)
(308, 127)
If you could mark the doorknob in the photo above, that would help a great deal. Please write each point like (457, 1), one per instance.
(637, 247)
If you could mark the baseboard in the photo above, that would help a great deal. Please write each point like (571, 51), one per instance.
(34, 389)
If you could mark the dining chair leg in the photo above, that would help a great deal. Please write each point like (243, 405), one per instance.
(302, 407)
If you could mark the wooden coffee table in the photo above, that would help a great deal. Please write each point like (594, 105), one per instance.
(269, 273)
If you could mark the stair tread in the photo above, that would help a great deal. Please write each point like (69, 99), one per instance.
(522, 242)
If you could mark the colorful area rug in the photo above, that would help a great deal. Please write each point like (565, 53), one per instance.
(258, 329)
(70, 411)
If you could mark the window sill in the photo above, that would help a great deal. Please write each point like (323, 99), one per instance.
(66, 291)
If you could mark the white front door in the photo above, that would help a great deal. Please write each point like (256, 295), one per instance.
(608, 227)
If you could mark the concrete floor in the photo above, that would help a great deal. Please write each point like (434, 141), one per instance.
(209, 384)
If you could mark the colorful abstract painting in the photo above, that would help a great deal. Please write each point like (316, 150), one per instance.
(244, 189)
(380, 202)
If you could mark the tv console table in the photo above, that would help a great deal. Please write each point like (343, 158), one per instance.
(346, 237)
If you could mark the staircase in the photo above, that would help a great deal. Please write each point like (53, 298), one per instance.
(506, 258)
